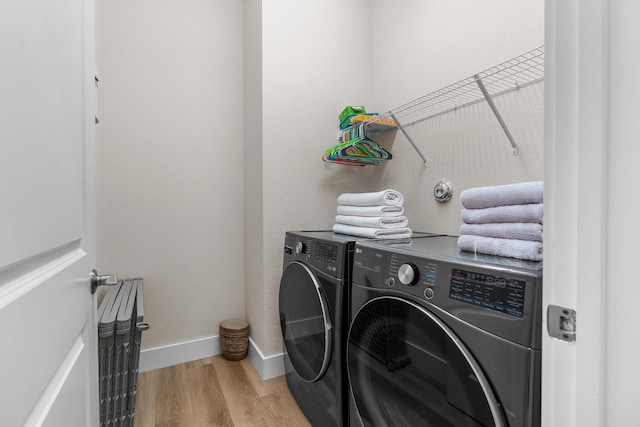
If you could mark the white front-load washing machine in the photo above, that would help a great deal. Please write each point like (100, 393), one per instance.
(440, 337)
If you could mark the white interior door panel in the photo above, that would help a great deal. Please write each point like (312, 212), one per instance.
(48, 362)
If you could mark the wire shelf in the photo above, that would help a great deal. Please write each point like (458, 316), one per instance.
(513, 74)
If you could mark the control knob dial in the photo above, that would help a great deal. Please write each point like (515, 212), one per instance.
(300, 248)
(408, 274)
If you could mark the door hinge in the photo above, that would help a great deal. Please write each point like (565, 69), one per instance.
(561, 323)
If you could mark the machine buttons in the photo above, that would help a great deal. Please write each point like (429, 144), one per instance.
(300, 248)
(391, 282)
(408, 274)
(428, 293)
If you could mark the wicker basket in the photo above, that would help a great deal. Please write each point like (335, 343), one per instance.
(234, 339)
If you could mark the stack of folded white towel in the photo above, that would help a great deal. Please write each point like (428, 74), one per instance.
(503, 220)
(377, 215)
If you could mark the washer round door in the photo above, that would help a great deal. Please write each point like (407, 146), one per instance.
(407, 368)
(305, 321)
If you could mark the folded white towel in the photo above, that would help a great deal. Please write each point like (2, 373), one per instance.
(370, 210)
(501, 195)
(385, 197)
(515, 213)
(520, 249)
(373, 221)
(373, 233)
(506, 230)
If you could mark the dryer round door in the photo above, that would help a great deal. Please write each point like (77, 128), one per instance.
(407, 368)
(305, 321)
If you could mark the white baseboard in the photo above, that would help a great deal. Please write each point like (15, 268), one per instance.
(174, 354)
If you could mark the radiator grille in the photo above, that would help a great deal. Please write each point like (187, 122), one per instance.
(120, 326)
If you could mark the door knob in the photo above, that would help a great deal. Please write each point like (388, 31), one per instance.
(107, 279)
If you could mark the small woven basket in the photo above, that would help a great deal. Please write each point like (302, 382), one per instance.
(234, 339)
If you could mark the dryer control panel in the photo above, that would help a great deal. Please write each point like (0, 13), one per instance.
(500, 297)
(503, 294)
(322, 255)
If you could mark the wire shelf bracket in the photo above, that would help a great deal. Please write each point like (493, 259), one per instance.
(406, 135)
(493, 107)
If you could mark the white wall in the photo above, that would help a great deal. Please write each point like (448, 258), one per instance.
(310, 71)
(419, 46)
(170, 159)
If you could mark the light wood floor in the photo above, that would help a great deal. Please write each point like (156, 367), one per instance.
(214, 392)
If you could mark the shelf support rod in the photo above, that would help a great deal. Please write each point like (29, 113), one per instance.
(496, 112)
(406, 135)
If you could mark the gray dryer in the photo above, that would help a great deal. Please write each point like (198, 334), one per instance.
(440, 337)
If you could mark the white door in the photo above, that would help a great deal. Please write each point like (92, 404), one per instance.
(48, 354)
(591, 210)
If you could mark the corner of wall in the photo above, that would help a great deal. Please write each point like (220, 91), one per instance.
(161, 357)
(267, 367)
(253, 170)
